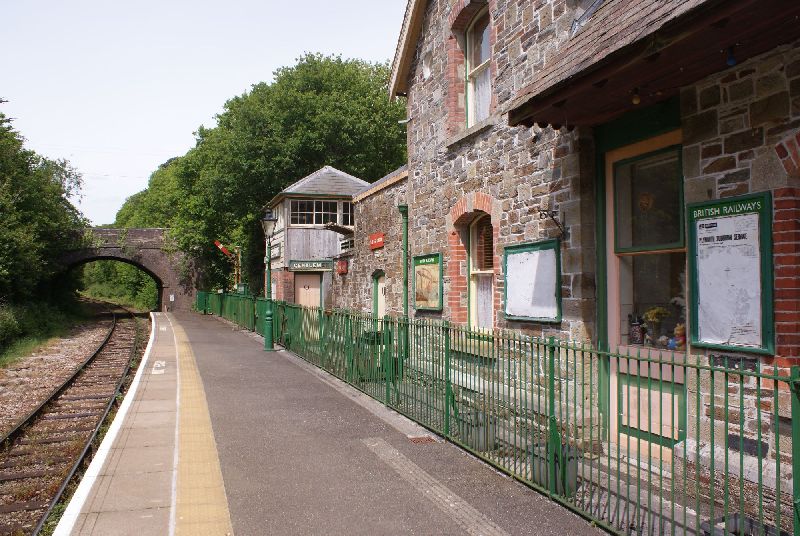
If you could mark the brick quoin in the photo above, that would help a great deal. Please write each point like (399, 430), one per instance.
(788, 152)
(786, 257)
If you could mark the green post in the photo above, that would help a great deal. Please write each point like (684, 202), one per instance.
(554, 441)
(348, 347)
(404, 213)
(448, 388)
(405, 341)
(795, 384)
(268, 342)
(387, 374)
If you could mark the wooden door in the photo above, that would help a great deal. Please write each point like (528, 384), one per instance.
(307, 289)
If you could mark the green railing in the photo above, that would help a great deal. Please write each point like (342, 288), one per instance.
(653, 443)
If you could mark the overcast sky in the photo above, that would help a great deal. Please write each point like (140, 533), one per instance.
(117, 88)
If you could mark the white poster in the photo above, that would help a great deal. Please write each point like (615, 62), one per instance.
(729, 280)
(532, 279)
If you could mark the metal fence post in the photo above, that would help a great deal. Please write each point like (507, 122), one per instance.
(348, 346)
(387, 374)
(554, 442)
(448, 388)
(795, 386)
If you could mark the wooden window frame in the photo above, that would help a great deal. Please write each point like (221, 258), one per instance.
(472, 72)
(472, 271)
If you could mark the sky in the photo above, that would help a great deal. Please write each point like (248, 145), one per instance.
(117, 88)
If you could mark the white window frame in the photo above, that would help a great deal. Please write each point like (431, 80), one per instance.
(352, 213)
(472, 72)
(313, 212)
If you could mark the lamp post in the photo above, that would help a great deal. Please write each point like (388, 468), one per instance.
(268, 224)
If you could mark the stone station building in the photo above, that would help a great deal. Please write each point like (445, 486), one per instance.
(568, 162)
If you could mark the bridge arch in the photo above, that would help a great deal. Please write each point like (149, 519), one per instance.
(146, 249)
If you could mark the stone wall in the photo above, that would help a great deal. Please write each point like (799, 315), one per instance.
(377, 213)
(741, 131)
(521, 170)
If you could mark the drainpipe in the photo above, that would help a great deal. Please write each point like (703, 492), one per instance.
(404, 212)
(406, 328)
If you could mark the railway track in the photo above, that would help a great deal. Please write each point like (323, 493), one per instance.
(43, 451)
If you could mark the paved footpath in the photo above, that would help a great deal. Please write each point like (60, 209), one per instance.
(299, 452)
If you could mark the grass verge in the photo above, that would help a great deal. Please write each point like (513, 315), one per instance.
(26, 328)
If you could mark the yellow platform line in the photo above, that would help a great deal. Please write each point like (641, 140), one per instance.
(201, 506)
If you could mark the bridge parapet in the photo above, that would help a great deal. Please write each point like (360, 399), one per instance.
(148, 249)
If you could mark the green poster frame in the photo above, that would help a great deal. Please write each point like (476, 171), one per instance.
(541, 245)
(416, 262)
(694, 214)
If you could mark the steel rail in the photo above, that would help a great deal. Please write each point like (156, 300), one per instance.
(88, 446)
(25, 421)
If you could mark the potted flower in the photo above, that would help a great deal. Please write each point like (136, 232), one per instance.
(653, 317)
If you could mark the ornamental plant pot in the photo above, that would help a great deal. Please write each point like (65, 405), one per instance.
(738, 525)
(566, 479)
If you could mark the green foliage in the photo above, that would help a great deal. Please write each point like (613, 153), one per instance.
(120, 283)
(24, 327)
(37, 221)
(321, 111)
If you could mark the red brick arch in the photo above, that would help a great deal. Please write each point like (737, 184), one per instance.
(464, 212)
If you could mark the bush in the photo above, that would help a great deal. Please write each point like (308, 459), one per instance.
(9, 327)
(39, 320)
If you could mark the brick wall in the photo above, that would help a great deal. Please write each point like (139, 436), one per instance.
(786, 246)
(284, 285)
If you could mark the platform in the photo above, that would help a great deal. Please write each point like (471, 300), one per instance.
(293, 451)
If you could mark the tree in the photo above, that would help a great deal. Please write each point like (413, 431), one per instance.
(37, 221)
(321, 111)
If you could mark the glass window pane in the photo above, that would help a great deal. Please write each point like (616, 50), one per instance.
(483, 248)
(648, 204)
(481, 95)
(653, 300)
(479, 41)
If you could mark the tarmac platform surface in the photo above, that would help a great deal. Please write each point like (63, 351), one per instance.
(293, 451)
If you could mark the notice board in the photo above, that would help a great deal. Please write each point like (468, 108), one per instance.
(428, 282)
(533, 281)
(730, 264)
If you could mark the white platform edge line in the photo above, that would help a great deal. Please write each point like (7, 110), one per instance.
(67, 522)
(173, 504)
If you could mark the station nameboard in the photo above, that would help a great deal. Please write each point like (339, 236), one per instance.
(730, 264)
(310, 266)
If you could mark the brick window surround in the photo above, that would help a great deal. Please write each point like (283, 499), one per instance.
(463, 213)
(461, 15)
(786, 254)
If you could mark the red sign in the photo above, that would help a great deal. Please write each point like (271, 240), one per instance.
(376, 240)
(341, 267)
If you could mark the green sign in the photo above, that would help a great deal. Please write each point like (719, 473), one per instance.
(730, 265)
(310, 266)
(428, 282)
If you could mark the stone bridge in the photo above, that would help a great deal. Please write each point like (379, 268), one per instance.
(148, 250)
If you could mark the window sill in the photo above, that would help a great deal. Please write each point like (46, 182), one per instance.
(472, 131)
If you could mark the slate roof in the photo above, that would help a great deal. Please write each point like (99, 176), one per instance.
(394, 176)
(329, 181)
